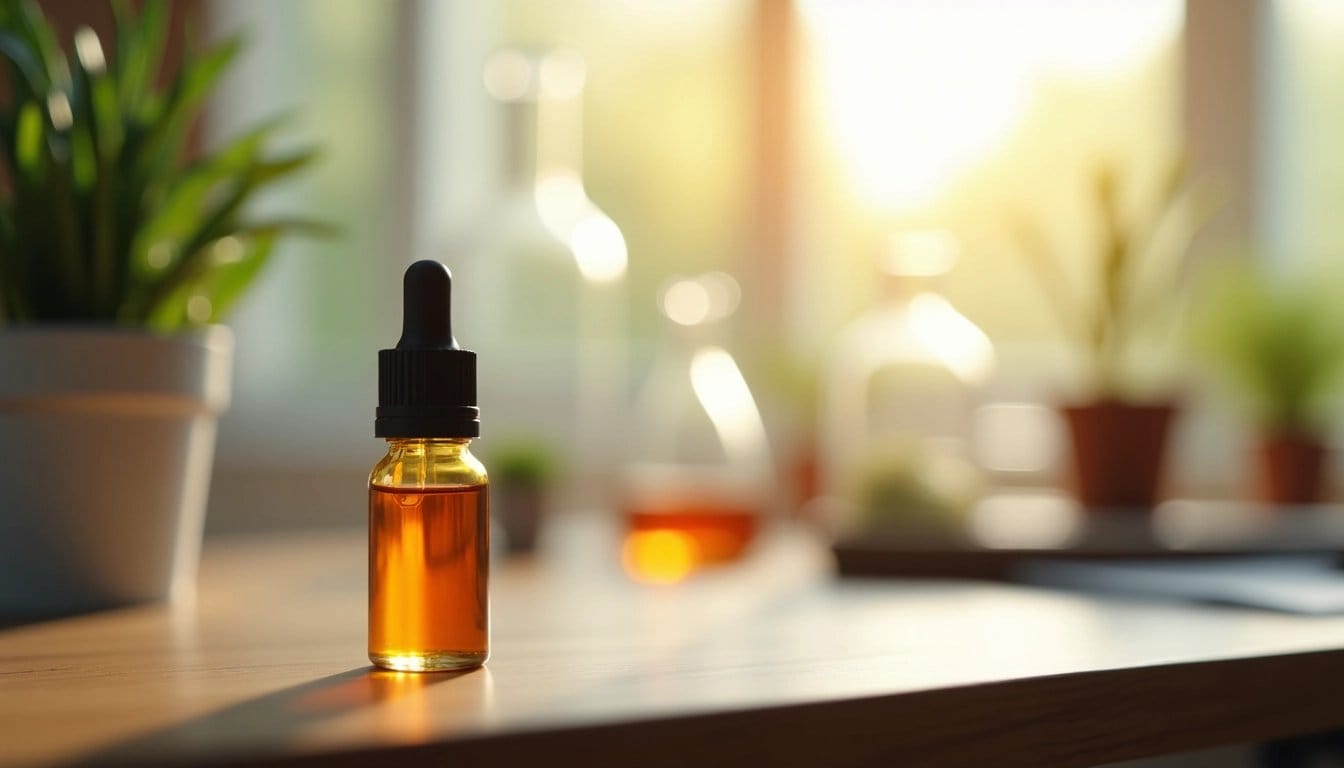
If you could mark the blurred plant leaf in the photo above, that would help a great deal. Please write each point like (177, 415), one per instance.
(140, 44)
(1124, 295)
(168, 132)
(105, 220)
(228, 282)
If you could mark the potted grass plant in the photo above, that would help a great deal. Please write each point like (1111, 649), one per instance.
(120, 250)
(1135, 278)
(522, 472)
(1278, 341)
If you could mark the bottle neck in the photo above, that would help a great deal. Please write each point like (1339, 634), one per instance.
(440, 446)
(543, 137)
(906, 287)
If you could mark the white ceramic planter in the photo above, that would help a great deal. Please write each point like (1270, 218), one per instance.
(106, 444)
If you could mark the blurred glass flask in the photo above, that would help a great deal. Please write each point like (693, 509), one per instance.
(699, 480)
(900, 394)
(554, 266)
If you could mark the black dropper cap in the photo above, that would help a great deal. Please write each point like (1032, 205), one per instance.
(427, 384)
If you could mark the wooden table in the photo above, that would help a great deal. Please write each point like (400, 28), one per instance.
(772, 663)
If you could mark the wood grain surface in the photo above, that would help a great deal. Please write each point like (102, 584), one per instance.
(772, 662)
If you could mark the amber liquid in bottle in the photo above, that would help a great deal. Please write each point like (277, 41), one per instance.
(429, 552)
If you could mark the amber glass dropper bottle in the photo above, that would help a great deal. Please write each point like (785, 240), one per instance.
(429, 520)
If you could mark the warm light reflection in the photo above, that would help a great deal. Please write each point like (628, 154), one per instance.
(924, 253)
(561, 201)
(561, 75)
(508, 75)
(722, 391)
(686, 302)
(90, 51)
(406, 691)
(945, 334)
(916, 92)
(598, 247)
(58, 109)
(724, 294)
(408, 663)
(228, 250)
(199, 309)
(659, 556)
(704, 299)
(594, 239)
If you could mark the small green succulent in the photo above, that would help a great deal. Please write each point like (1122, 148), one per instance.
(106, 217)
(523, 462)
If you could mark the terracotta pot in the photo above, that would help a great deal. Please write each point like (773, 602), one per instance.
(1118, 452)
(1292, 468)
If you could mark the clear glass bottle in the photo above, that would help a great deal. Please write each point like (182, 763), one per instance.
(899, 396)
(429, 516)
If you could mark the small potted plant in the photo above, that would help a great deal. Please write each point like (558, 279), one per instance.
(521, 473)
(119, 253)
(1119, 436)
(918, 494)
(1278, 340)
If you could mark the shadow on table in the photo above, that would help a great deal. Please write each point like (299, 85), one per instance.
(18, 620)
(267, 723)
(14, 622)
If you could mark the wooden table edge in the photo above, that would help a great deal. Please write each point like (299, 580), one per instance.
(1081, 718)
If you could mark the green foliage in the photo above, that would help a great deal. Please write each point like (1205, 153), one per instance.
(105, 218)
(1279, 341)
(522, 463)
(1137, 266)
(912, 485)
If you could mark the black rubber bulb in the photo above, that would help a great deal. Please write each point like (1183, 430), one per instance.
(427, 306)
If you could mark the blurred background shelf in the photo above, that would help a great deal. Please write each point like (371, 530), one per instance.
(1005, 533)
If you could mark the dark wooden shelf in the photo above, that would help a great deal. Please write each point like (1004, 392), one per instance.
(1009, 532)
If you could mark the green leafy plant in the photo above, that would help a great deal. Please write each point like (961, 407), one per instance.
(911, 485)
(106, 218)
(1136, 267)
(522, 463)
(1279, 341)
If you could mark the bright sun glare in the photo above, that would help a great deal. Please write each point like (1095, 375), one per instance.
(916, 92)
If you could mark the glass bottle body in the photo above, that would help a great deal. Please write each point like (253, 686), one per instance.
(429, 557)
(898, 403)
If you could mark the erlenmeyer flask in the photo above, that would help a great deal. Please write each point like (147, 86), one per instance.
(699, 480)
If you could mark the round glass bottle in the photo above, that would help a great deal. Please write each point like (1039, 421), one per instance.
(429, 557)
